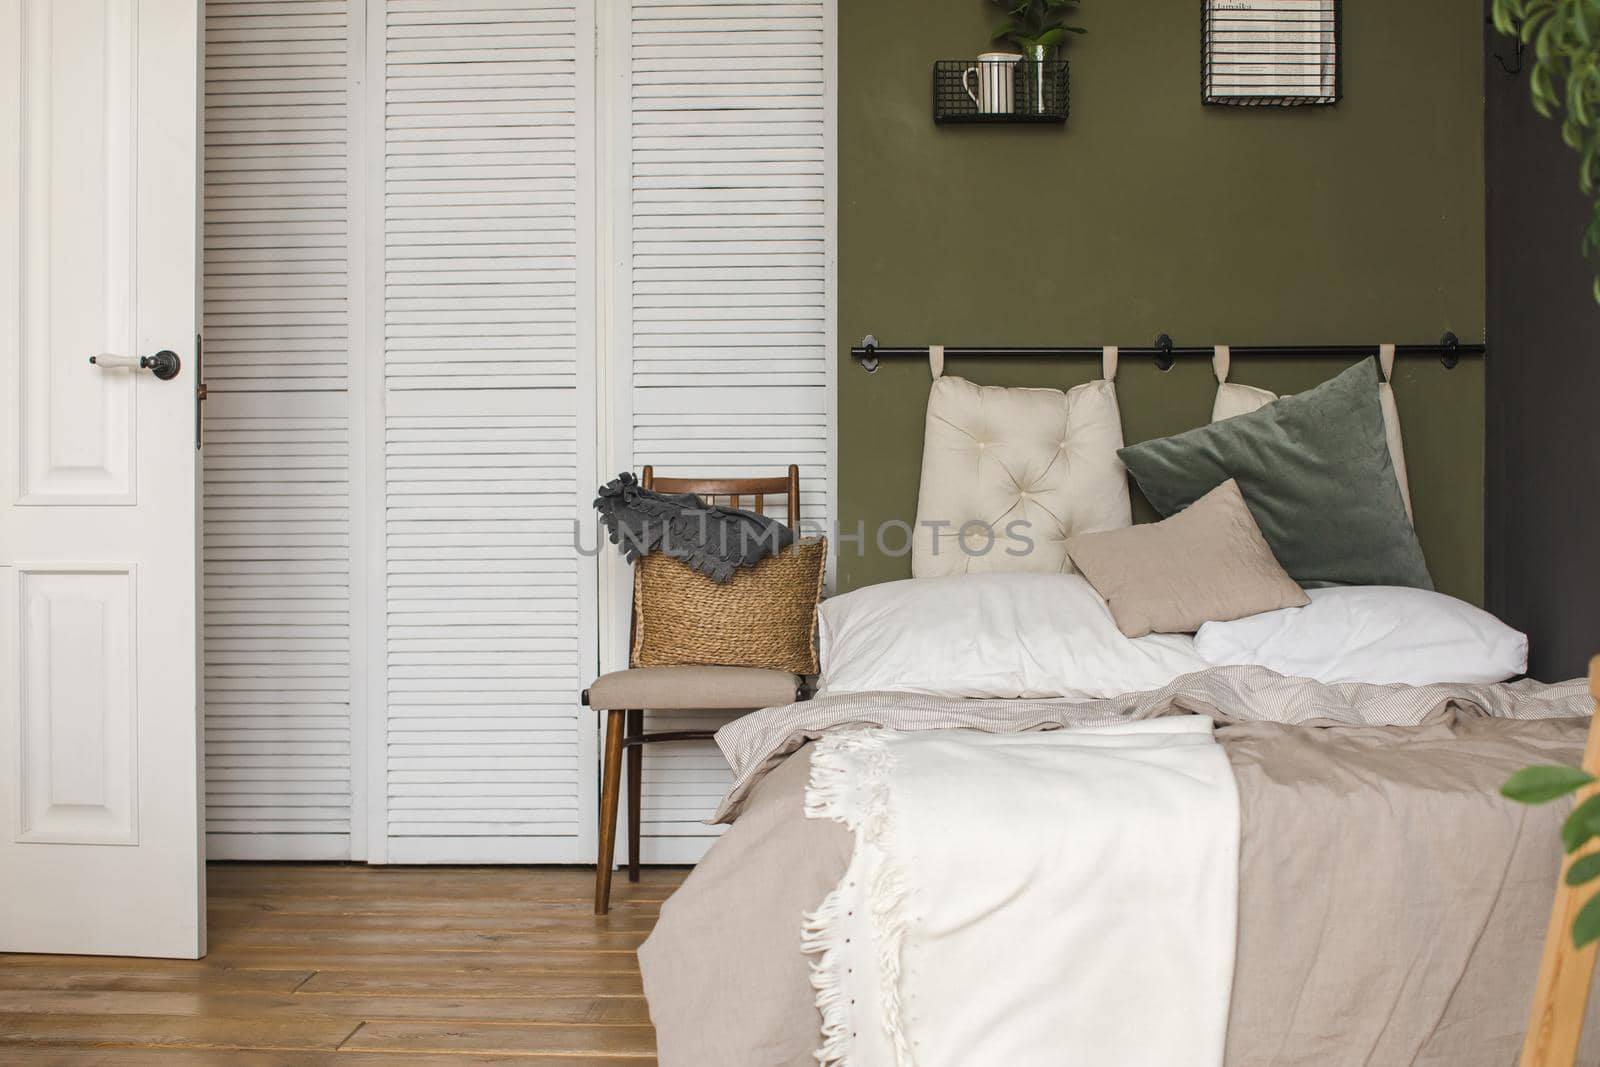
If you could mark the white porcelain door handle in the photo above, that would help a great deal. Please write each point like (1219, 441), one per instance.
(164, 364)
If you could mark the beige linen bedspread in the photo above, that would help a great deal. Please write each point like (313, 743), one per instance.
(1392, 905)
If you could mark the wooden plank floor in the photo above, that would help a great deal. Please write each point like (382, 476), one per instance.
(317, 964)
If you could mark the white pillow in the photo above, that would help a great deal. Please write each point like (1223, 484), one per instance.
(991, 635)
(1372, 633)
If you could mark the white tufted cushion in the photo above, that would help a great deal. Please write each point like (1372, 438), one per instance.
(997, 456)
(1234, 399)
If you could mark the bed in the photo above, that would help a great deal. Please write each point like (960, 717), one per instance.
(1007, 833)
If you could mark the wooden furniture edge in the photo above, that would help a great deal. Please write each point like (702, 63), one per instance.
(1561, 997)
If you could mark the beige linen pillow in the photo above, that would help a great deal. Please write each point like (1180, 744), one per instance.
(1207, 563)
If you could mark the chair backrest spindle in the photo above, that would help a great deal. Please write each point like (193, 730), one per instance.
(734, 489)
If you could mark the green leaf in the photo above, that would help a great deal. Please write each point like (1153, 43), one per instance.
(1591, 232)
(1586, 927)
(1538, 785)
(1502, 18)
(1539, 88)
(1584, 869)
(1582, 824)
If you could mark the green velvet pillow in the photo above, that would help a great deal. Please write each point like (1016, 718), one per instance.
(1314, 469)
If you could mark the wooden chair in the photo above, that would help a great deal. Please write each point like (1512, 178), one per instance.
(1560, 1000)
(623, 695)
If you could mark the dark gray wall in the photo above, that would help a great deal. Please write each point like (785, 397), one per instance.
(1542, 522)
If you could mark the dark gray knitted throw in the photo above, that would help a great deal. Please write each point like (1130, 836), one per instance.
(714, 540)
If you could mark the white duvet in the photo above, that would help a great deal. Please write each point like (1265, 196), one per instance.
(1072, 900)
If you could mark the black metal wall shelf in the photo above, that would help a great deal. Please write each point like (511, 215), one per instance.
(1030, 93)
(1270, 53)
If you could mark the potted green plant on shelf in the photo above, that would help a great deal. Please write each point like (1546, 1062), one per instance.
(1036, 27)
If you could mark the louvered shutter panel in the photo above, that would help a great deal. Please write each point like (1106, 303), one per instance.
(416, 408)
(277, 456)
(487, 323)
(728, 298)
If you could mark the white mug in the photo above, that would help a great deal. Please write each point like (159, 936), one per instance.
(993, 72)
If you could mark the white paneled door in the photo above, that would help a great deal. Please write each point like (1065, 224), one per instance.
(99, 732)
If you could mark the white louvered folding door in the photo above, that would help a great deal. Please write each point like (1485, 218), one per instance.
(723, 338)
(486, 187)
(279, 331)
(405, 344)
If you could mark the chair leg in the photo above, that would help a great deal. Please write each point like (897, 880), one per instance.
(610, 788)
(635, 790)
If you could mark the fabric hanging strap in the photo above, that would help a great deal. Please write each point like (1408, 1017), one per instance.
(936, 361)
(1221, 360)
(1108, 363)
(1386, 361)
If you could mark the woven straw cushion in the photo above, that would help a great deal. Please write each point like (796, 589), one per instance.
(765, 616)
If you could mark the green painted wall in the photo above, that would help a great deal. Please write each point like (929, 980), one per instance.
(1150, 213)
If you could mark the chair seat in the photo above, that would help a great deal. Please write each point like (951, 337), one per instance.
(693, 688)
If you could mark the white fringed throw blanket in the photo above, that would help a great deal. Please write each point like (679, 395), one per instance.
(1021, 899)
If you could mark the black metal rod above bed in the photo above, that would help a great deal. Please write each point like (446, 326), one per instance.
(1448, 348)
